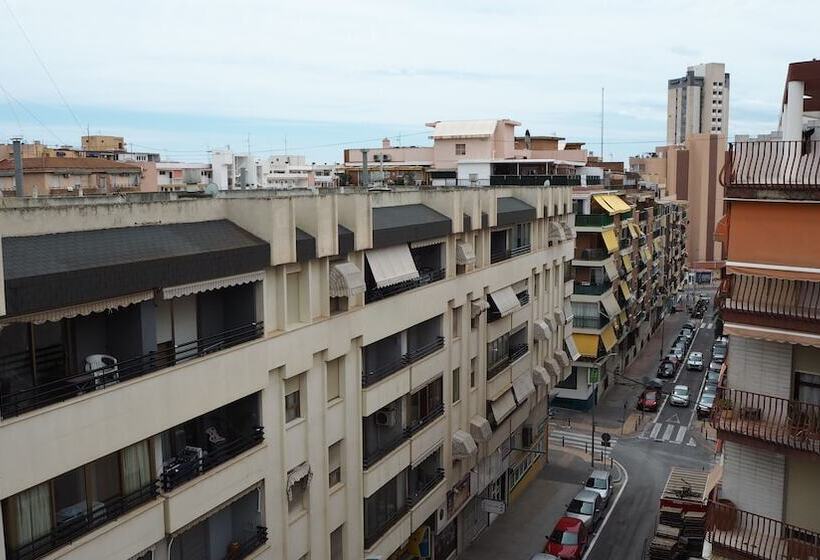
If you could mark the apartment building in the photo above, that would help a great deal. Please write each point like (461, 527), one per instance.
(698, 103)
(627, 270)
(768, 410)
(278, 376)
(245, 171)
(69, 176)
(388, 165)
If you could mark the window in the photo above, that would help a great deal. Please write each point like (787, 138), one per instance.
(461, 149)
(427, 402)
(337, 544)
(334, 388)
(536, 286)
(298, 497)
(334, 464)
(473, 366)
(456, 385)
(457, 322)
(293, 398)
(498, 351)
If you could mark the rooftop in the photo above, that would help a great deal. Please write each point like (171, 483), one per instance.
(59, 164)
(467, 129)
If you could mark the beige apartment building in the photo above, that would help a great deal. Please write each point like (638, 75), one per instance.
(257, 375)
(698, 103)
(70, 176)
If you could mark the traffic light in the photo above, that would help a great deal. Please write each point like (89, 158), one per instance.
(605, 439)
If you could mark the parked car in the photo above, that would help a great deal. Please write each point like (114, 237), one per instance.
(705, 403)
(682, 339)
(568, 540)
(648, 400)
(600, 481)
(678, 351)
(680, 396)
(687, 331)
(709, 389)
(586, 506)
(719, 351)
(666, 369)
(695, 361)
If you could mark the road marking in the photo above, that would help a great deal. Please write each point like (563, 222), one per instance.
(675, 419)
(680, 436)
(611, 509)
(691, 442)
(655, 429)
(667, 433)
(581, 441)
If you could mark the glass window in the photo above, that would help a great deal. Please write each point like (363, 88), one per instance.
(293, 398)
(473, 366)
(104, 480)
(334, 461)
(461, 149)
(69, 495)
(27, 516)
(456, 385)
(337, 544)
(334, 369)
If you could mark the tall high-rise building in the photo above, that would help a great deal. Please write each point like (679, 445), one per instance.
(698, 102)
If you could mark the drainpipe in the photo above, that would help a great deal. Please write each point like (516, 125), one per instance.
(18, 165)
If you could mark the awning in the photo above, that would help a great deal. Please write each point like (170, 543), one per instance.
(465, 253)
(428, 242)
(297, 474)
(569, 231)
(569, 314)
(213, 284)
(572, 349)
(541, 330)
(587, 344)
(480, 428)
(610, 240)
(80, 310)
(463, 444)
(646, 256)
(506, 301)
(611, 305)
(392, 265)
(540, 376)
(523, 387)
(503, 406)
(618, 204)
(556, 232)
(722, 229)
(479, 305)
(625, 290)
(611, 269)
(562, 358)
(773, 271)
(632, 233)
(658, 243)
(608, 337)
(603, 202)
(627, 260)
(622, 317)
(346, 280)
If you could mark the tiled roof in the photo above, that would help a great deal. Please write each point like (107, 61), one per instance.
(60, 164)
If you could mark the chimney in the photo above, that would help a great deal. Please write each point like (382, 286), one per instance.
(365, 180)
(386, 144)
(18, 165)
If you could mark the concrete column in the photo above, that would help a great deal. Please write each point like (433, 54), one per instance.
(18, 166)
(793, 111)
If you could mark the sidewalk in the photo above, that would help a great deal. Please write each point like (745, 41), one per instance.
(522, 530)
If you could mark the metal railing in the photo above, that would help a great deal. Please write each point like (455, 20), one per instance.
(536, 180)
(773, 164)
(513, 354)
(376, 294)
(595, 289)
(593, 220)
(384, 524)
(504, 254)
(250, 544)
(373, 375)
(591, 254)
(590, 322)
(425, 488)
(23, 400)
(742, 534)
(188, 466)
(382, 449)
(419, 423)
(772, 297)
(71, 529)
(789, 423)
(523, 297)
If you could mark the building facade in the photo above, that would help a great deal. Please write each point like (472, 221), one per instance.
(70, 176)
(768, 409)
(698, 103)
(276, 376)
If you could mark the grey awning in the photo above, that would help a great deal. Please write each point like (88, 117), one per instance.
(480, 428)
(465, 253)
(503, 406)
(611, 305)
(523, 387)
(391, 265)
(305, 246)
(510, 210)
(213, 284)
(346, 280)
(611, 269)
(295, 475)
(463, 444)
(411, 222)
(540, 376)
(505, 301)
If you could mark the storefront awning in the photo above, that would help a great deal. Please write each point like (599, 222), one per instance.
(572, 349)
(505, 301)
(611, 269)
(627, 260)
(479, 305)
(625, 290)
(608, 337)
(611, 305)
(392, 265)
(556, 232)
(523, 387)
(540, 376)
(610, 240)
(346, 280)
(587, 344)
(108, 304)
(541, 330)
(503, 406)
(465, 253)
(463, 444)
(480, 428)
(298, 473)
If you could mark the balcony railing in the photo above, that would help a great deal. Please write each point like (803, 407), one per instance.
(591, 254)
(504, 254)
(383, 448)
(190, 465)
(513, 354)
(428, 277)
(425, 488)
(774, 302)
(744, 535)
(247, 546)
(787, 423)
(373, 375)
(773, 165)
(384, 524)
(593, 220)
(595, 289)
(535, 180)
(419, 423)
(24, 400)
(523, 298)
(70, 530)
(590, 322)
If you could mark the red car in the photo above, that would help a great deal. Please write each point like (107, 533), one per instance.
(568, 540)
(648, 400)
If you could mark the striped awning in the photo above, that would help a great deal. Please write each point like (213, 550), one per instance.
(296, 474)
(611, 269)
(346, 280)
(427, 242)
(465, 253)
(108, 304)
(505, 301)
(523, 387)
(392, 265)
(572, 349)
(213, 284)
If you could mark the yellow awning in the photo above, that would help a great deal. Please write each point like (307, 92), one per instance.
(587, 344)
(608, 338)
(625, 290)
(603, 202)
(617, 204)
(622, 317)
(631, 227)
(627, 263)
(610, 240)
(646, 256)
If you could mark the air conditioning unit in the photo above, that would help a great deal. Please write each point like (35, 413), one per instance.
(387, 417)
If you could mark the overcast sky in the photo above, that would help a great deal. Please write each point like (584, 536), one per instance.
(181, 77)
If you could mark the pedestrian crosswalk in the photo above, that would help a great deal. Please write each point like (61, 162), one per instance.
(709, 325)
(667, 432)
(561, 438)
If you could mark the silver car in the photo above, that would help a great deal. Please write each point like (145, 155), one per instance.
(587, 506)
(695, 361)
(680, 396)
(601, 482)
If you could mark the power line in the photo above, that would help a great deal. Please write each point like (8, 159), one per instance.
(43, 64)
(32, 115)
(13, 112)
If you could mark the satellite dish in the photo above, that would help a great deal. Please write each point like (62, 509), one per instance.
(212, 189)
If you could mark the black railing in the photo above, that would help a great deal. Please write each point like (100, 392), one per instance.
(384, 524)
(592, 289)
(590, 322)
(428, 277)
(515, 352)
(383, 448)
(250, 544)
(593, 220)
(773, 164)
(523, 297)
(191, 464)
(591, 254)
(419, 423)
(536, 180)
(71, 529)
(425, 488)
(504, 254)
(371, 375)
(31, 398)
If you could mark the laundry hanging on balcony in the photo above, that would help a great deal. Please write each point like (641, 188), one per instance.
(346, 280)
(391, 265)
(296, 475)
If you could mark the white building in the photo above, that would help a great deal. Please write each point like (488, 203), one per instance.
(698, 103)
(287, 172)
(175, 176)
(242, 171)
(275, 376)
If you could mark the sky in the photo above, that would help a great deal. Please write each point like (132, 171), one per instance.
(313, 77)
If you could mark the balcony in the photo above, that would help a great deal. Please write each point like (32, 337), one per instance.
(743, 535)
(425, 277)
(535, 180)
(789, 424)
(593, 220)
(596, 323)
(597, 254)
(504, 254)
(594, 289)
(754, 169)
(515, 352)
(377, 373)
